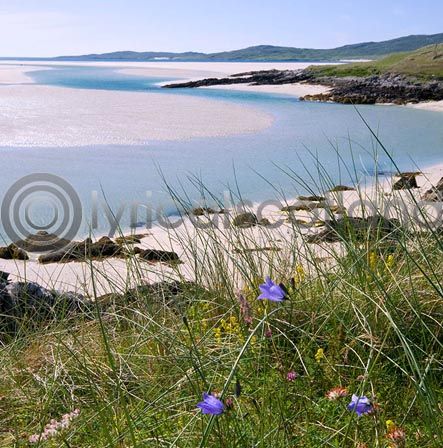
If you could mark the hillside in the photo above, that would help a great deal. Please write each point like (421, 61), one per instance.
(425, 63)
(366, 50)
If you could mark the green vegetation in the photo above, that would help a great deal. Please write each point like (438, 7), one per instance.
(425, 63)
(368, 319)
(365, 50)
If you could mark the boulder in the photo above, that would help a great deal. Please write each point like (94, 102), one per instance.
(129, 239)
(339, 188)
(83, 250)
(312, 198)
(407, 181)
(264, 222)
(42, 241)
(13, 252)
(156, 255)
(202, 211)
(300, 206)
(245, 220)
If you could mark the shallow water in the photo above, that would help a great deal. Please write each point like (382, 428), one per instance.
(303, 134)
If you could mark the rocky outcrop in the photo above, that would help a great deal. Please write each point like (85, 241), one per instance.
(13, 252)
(388, 88)
(84, 250)
(42, 241)
(263, 77)
(28, 300)
(385, 88)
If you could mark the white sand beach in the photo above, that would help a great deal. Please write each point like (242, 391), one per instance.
(35, 115)
(117, 274)
(435, 106)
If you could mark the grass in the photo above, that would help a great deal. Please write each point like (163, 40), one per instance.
(425, 63)
(137, 368)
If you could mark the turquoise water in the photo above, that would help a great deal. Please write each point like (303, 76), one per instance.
(303, 133)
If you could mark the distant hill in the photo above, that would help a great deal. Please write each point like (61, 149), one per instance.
(424, 63)
(366, 50)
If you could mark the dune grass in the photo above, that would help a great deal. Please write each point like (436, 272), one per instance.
(368, 320)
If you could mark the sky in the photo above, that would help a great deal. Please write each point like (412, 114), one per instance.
(70, 27)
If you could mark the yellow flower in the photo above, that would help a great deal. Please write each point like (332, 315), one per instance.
(320, 355)
(300, 274)
(372, 260)
(390, 425)
(390, 261)
(217, 334)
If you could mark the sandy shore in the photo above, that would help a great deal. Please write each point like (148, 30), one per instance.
(117, 274)
(435, 106)
(36, 115)
(53, 117)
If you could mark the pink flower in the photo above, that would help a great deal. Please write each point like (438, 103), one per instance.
(291, 376)
(54, 426)
(336, 393)
(397, 437)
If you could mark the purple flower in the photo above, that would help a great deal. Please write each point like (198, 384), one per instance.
(360, 405)
(271, 291)
(211, 405)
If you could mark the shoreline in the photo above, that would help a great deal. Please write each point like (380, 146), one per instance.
(49, 116)
(75, 275)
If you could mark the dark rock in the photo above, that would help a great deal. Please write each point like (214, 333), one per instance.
(258, 249)
(42, 242)
(300, 206)
(245, 220)
(202, 211)
(84, 250)
(339, 188)
(385, 88)
(407, 181)
(357, 229)
(312, 198)
(13, 252)
(129, 239)
(263, 77)
(434, 194)
(22, 297)
(264, 222)
(4, 277)
(159, 256)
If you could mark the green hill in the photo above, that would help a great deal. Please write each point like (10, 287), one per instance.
(366, 50)
(425, 63)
